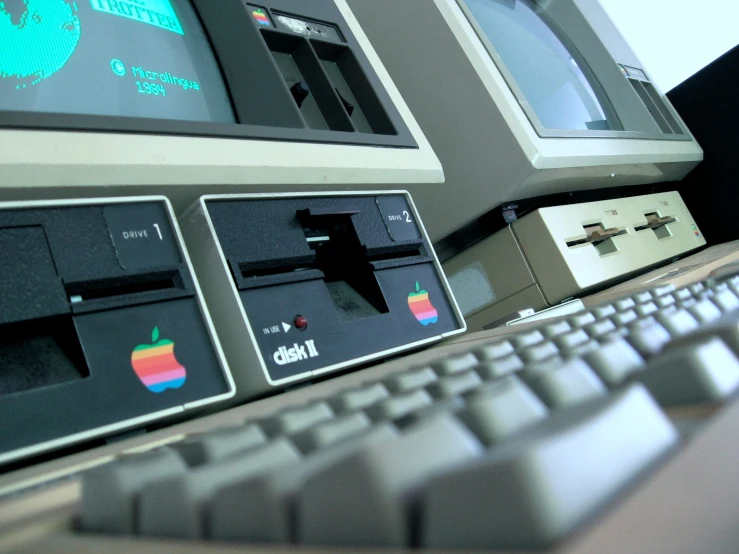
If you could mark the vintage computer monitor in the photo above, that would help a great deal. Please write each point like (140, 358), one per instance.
(187, 97)
(529, 98)
(524, 98)
(162, 102)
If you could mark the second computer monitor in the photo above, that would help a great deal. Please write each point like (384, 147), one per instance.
(522, 98)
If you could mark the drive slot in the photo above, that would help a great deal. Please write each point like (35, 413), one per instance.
(600, 237)
(658, 224)
(124, 286)
(411, 252)
(340, 255)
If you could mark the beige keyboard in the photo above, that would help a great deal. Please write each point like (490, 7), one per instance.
(610, 430)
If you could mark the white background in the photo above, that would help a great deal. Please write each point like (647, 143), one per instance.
(676, 38)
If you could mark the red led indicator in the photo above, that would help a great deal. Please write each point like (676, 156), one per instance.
(301, 323)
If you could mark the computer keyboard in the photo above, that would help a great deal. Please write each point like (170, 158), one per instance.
(516, 441)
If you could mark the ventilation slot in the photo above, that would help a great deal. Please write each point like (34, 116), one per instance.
(657, 107)
(664, 110)
(309, 85)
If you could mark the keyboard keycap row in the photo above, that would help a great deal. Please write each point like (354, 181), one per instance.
(513, 444)
(395, 485)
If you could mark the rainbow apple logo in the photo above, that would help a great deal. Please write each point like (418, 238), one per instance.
(156, 366)
(421, 306)
(261, 17)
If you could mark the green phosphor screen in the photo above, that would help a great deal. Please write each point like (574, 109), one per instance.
(152, 12)
(41, 41)
(132, 58)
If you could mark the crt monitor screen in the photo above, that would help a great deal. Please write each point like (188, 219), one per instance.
(549, 71)
(132, 58)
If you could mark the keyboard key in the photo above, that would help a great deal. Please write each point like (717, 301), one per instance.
(624, 318)
(178, 506)
(263, 509)
(495, 369)
(455, 364)
(537, 489)
(620, 332)
(359, 398)
(555, 329)
(602, 312)
(545, 366)
(705, 311)
(580, 319)
(494, 350)
(696, 288)
(446, 406)
(110, 492)
(368, 498)
(538, 352)
(572, 383)
(726, 301)
(642, 323)
(649, 340)
(501, 409)
(661, 290)
(600, 328)
(331, 432)
(705, 371)
(294, 420)
(399, 405)
(682, 294)
(526, 338)
(583, 349)
(641, 297)
(454, 385)
(614, 361)
(664, 301)
(726, 328)
(219, 444)
(678, 322)
(624, 304)
(570, 340)
(718, 287)
(411, 380)
(669, 309)
(687, 303)
(708, 293)
(645, 309)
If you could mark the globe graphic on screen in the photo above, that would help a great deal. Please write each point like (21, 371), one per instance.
(37, 37)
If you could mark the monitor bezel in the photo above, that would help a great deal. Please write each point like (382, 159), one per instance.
(222, 42)
(46, 121)
(539, 128)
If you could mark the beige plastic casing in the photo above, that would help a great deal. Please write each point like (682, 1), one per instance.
(530, 265)
(489, 149)
(231, 320)
(170, 413)
(42, 164)
(563, 271)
